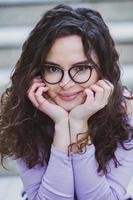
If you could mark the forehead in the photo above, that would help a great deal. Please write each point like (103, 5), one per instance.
(67, 51)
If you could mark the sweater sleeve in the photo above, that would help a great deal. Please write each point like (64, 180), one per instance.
(90, 185)
(52, 181)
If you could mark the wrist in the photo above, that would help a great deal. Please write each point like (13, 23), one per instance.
(77, 127)
(62, 128)
(62, 136)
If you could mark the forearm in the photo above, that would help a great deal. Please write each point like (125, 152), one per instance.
(46, 182)
(53, 184)
(90, 184)
(62, 136)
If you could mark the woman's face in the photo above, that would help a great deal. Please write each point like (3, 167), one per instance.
(65, 52)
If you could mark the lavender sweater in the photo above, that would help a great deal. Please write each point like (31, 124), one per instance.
(77, 173)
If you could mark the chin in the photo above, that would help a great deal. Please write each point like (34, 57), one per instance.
(68, 106)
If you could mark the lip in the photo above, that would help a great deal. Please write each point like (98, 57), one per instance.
(69, 96)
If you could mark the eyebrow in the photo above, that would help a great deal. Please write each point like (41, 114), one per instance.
(53, 63)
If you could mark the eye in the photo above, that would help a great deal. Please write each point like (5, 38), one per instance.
(52, 68)
(83, 67)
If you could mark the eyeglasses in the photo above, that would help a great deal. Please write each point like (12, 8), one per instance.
(79, 73)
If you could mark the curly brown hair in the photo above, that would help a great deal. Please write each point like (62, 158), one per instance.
(26, 132)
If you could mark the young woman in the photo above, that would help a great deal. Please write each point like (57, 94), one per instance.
(66, 118)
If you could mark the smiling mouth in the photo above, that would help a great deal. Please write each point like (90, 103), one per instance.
(69, 97)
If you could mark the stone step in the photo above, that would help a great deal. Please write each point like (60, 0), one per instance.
(11, 169)
(11, 188)
(26, 2)
(15, 36)
(9, 57)
(20, 14)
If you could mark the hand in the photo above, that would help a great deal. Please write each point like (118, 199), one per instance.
(37, 95)
(97, 97)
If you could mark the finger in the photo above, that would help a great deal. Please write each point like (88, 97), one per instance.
(31, 93)
(40, 98)
(107, 88)
(34, 86)
(99, 92)
(111, 85)
(90, 95)
(108, 82)
(36, 80)
(38, 77)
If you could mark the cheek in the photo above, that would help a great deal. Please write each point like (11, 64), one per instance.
(52, 89)
(94, 78)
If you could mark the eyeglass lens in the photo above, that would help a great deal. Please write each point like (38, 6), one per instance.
(79, 73)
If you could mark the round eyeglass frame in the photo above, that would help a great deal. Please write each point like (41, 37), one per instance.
(69, 72)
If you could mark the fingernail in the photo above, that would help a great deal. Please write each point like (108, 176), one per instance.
(38, 77)
(84, 92)
(108, 82)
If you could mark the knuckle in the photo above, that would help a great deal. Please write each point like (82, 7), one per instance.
(100, 89)
(108, 88)
(89, 92)
(108, 83)
(29, 95)
(100, 81)
(36, 94)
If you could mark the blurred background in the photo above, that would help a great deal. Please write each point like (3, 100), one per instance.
(18, 17)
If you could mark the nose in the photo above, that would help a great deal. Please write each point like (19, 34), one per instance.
(66, 82)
